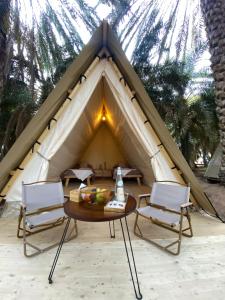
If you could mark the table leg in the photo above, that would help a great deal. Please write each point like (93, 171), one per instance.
(112, 232)
(138, 180)
(136, 290)
(67, 182)
(58, 251)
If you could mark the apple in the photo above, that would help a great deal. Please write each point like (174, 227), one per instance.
(100, 196)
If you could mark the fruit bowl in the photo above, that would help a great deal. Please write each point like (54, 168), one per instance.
(95, 196)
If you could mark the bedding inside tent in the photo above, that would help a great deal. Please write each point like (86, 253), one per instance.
(80, 123)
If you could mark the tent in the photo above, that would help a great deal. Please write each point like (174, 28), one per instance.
(213, 169)
(69, 122)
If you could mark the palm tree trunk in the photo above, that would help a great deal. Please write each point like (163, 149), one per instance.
(4, 27)
(214, 15)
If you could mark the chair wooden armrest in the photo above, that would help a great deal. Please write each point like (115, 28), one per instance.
(22, 206)
(142, 196)
(172, 181)
(186, 205)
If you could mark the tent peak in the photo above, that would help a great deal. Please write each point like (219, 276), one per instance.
(104, 52)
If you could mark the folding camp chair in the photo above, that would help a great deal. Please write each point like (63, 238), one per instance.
(41, 209)
(167, 206)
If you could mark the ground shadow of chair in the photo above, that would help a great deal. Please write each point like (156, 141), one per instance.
(41, 209)
(167, 205)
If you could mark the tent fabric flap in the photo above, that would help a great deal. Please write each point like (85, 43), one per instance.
(212, 171)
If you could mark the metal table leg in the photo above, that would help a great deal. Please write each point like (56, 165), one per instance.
(136, 290)
(112, 232)
(58, 251)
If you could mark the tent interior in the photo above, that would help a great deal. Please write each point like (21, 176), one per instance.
(101, 143)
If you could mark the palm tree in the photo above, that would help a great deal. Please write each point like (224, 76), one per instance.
(4, 28)
(214, 15)
(187, 109)
(182, 29)
(39, 40)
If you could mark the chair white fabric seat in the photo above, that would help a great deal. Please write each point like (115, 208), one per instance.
(159, 214)
(45, 217)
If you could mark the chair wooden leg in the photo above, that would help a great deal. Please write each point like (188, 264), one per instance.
(135, 222)
(19, 223)
(45, 227)
(138, 180)
(167, 247)
(136, 226)
(189, 222)
(67, 182)
(180, 234)
(70, 236)
(41, 250)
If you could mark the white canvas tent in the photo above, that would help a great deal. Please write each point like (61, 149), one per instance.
(213, 169)
(70, 120)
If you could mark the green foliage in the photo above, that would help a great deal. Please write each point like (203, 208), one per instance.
(46, 88)
(4, 12)
(191, 119)
(16, 109)
(164, 83)
(142, 53)
(48, 84)
(61, 69)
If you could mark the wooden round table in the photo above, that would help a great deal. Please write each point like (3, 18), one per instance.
(95, 213)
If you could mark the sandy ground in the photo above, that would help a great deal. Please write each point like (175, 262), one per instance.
(93, 266)
(216, 193)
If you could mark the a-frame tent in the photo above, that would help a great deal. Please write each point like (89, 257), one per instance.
(59, 133)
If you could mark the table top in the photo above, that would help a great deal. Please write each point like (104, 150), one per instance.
(95, 213)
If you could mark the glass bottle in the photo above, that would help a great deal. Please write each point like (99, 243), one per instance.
(119, 186)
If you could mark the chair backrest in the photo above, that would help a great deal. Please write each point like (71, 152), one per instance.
(170, 196)
(43, 194)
